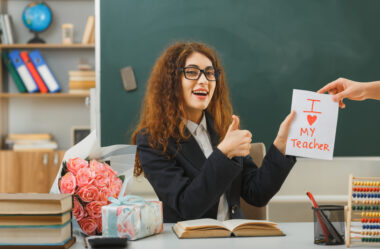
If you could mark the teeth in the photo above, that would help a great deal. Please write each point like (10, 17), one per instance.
(201, 92)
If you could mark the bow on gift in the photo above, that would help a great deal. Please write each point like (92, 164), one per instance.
(127, 200)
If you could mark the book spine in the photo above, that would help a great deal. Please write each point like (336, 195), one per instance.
(12, 70)
(4, 37)
(33, 71)
(87, 31)
(20, 66)
(45, 72)
(8, 28)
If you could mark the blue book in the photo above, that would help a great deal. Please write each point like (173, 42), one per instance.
(23, 71)
(44, 71)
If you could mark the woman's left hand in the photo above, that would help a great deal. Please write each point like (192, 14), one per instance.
(282, 135)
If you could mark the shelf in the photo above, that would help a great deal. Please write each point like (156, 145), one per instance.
(44, 95)
(47, 46)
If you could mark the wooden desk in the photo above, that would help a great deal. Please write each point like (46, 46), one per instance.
(298, 235)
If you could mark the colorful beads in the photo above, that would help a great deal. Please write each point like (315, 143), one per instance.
(365, 195)
(366, 183)
(370, 239)
(360, 207)
(371, 226)
(358, 189)
(370, 220)
(372, 233)
(370, 214)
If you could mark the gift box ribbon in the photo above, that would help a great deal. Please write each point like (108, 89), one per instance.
(127, 200)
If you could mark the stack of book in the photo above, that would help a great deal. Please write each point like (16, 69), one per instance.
(81, 81)
(36, 220)
(33, 141)
(30, 72)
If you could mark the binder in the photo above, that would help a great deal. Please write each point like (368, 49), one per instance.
(44, 71)
(32, 70)
(12, 70)
(23, 72)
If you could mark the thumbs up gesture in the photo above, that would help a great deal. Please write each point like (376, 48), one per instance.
(236, 142)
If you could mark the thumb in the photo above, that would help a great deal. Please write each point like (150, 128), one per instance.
(288, 120)
(234, 124)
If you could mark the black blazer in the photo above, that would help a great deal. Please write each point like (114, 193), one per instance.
(190, 186)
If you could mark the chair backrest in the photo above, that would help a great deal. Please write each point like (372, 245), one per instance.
(257, 153)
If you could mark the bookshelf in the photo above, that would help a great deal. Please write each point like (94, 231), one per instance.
(33, 109)
(54, 113)
(5, 96)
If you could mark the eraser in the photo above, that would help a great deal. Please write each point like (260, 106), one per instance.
(128, 78)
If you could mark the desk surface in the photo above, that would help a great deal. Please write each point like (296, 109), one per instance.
(298, 235)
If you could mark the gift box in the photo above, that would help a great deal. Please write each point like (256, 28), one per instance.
(132, 217)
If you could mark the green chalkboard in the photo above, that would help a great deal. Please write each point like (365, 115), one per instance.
(268, 48)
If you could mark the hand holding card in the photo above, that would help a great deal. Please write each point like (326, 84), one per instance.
(312, 133)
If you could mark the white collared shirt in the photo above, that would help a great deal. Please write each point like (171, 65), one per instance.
(202, 137)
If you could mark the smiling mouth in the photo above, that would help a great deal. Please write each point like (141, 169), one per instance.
(200, 93)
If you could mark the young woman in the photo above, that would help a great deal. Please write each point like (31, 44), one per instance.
(189, 144)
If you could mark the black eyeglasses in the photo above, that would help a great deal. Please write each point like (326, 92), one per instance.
(194, 73)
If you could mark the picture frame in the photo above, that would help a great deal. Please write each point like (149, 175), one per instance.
(78, 133)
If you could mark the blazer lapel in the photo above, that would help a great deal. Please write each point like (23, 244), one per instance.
(214, 137)
(191, 150)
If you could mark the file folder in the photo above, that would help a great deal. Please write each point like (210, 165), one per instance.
(44, 71)
(20, 66)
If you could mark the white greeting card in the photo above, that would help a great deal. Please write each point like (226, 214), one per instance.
(312, 132)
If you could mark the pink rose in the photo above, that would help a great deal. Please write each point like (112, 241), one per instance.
(78, 210)
(110, 171)
(88, 193)
(115, 187)
(88, 225)
(104, 193)
(68, 183)
(98, 168)
(84, 177)
(94, 209)
(73, 165)
(101, 180)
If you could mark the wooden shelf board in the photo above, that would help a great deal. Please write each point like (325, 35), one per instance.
(43, 95)
(44, 45)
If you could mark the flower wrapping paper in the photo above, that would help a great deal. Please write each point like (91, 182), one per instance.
(133, 221)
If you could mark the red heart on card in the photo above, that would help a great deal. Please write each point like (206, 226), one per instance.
(311, 119)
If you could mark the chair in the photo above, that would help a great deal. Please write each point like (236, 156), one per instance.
(257, 152)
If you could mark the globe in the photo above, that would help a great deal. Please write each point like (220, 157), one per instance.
(37, 17)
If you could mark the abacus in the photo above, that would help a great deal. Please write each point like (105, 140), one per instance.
(363, 211)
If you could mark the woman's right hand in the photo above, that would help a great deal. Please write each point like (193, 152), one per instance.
(236, 142)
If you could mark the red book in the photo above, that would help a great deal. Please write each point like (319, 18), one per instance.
(33, 71)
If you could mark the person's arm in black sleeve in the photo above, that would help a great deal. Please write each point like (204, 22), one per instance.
(259, 185)
(190, 198)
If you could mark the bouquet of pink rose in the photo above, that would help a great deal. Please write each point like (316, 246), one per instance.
(91, 183)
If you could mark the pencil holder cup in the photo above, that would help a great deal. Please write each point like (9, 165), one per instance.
(329, 225)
